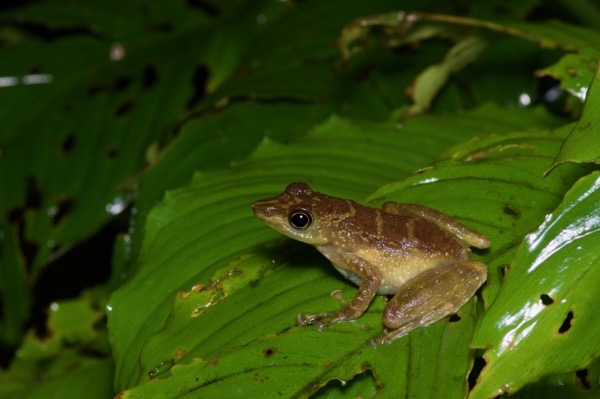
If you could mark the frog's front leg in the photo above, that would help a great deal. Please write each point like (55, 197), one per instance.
(429, 297)
(349, 265)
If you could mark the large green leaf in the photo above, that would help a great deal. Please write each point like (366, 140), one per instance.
(551, 326)
(317, 158)
(200, 85)
(211, 308)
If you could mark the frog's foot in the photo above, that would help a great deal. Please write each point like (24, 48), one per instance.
(390, 335)
(316, 319)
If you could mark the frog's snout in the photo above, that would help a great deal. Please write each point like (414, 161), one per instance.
(262, 210)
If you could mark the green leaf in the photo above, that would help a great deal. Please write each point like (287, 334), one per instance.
(583, 145)
(510, 199)
(71, 361)
(583, 383)
(550, 327)
(180, 225)
(209, 300)
(575, 71)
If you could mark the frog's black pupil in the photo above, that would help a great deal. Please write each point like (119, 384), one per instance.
(300, 219)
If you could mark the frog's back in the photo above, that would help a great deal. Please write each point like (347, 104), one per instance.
(360, 226)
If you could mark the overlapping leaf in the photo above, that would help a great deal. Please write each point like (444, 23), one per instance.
(237, 327)
(551, 327)
(71, 361)
(583, 144)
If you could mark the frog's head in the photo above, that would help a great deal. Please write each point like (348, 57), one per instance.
(295, 214)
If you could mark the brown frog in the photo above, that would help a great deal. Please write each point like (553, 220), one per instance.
(415, 253)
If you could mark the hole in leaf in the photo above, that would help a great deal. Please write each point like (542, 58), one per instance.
(164, 26)
(546, 299)
(204, 6)
(478, 365)
(29, 249)
(511, 211)
(121, 83)
(33, 194)
(552, 95)
(95, 253)
(112, 153)
(454, 318)
(199, 80)
(269, 352)
(17, 216)
(64, 207)
(583, 379)
(566, 325)
(124, 108)
(149, 76)
(66, 145)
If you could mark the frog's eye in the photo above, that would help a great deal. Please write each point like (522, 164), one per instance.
(300, 219)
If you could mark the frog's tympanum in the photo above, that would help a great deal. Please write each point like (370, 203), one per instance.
(417, 254)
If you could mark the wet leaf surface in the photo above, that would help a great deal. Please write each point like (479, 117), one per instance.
(549, 327)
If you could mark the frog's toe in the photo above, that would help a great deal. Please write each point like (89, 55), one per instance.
(305, 319)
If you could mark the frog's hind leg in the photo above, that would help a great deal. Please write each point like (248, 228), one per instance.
(442, 220)
(429, 297)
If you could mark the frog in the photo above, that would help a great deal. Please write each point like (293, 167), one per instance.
(417, 255)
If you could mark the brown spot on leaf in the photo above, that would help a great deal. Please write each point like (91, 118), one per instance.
(269, 352)
(112, 153)
(261, 378)
(511, 211)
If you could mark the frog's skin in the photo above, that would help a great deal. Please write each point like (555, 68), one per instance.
(418, 254)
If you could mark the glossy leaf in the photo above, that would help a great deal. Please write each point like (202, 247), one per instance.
(105, 105)
(350, 170)
(208, 303)
(575, 71)
(583, 145)
(550, 327)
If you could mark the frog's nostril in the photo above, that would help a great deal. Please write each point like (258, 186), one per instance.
(256, 208)
(261, 210)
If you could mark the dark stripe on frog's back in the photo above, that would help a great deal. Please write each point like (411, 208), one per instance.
(395, 232)
(428, 236)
